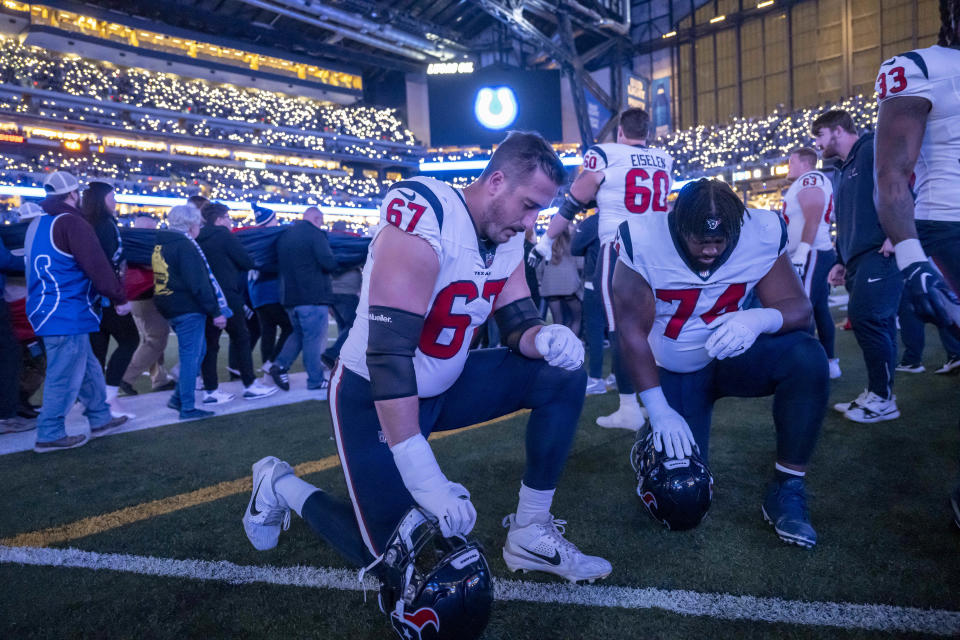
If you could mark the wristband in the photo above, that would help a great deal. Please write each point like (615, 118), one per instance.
(909, 251)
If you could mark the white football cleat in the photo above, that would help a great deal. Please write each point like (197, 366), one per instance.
(843, 407)
(873, 408)
(266, 512)
(626, 417)
(540, 546)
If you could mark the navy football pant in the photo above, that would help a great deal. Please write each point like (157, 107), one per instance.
(875, 285)
(818, 290)
(593, 323)
(913, 335)
(791, 367)
(494, 382)
(608, 261)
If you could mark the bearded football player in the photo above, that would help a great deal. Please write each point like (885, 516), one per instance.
(679, 289)
(442, 260)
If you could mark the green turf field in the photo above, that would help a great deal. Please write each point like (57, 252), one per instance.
(878, 499)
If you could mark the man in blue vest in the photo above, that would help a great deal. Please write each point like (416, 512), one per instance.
(66, 272)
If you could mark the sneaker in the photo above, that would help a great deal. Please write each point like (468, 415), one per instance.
(955, 503)
(173, 403)
(193, 414)
(265, 367)
(596, 386)
(169, 385)
(610, 381)
(626, 417)
(27, 410)
(540, 546)
(907, 367)
(258, 390)
(280, 377)
(843, 407)
(127, 389)
(16, 424)
(323, 390)
(114, 424)
(873, 408)
(835, 368)
(266, 512)
(117, 411)
(216, 397)
(785, 507)
(66, 442)
(950, 365)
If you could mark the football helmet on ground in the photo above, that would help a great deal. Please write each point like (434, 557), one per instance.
(433, 587)
(675, 492)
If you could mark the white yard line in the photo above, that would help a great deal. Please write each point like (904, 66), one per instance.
(842, 615)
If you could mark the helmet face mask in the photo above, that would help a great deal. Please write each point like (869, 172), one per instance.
(675, 492)
(433, 587)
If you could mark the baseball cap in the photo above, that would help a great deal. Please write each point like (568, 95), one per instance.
(60, 182)
(29, 210)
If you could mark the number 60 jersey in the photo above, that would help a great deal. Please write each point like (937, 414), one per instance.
(688, 300)
(469, 281)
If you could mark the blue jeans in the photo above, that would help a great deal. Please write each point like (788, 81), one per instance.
(191, 344)
(72, 372)
(309, 334)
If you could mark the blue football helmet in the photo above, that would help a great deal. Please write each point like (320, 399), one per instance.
(434, 588)
(675, 492)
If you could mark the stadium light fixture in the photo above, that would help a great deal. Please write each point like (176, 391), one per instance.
(669, 34)
(717, 19)
(764, 4)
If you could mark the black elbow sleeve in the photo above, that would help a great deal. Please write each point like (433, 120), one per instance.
(514, 319)
(393, 336)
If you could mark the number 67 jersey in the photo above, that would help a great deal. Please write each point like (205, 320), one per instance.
(688, 300)
(471, 276)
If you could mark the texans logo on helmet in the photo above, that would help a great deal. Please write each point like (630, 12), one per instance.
(412, 625)
(649, 499)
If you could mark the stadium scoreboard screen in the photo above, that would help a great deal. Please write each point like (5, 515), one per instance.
(479, 108)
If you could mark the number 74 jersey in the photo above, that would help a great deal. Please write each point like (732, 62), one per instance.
(636, 179)
(688, 300)
(470, 279)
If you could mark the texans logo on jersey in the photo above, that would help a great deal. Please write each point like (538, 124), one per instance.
(412, 625)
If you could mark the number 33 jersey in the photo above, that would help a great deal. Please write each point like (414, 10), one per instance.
(934, 74)
(471, 276)
(636, 179)
(687, 300)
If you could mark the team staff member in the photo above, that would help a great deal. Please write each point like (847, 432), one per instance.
(678, 289)
(865, 266)
(441, 262)
(918, 134)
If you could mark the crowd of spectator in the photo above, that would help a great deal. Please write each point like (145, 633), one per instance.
(50, 71)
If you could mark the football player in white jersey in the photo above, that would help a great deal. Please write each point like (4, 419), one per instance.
(443, 260)
(807, 207)
(918, 146)
(626, 178)
(678, 291)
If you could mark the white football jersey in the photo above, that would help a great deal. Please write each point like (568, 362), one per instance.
(688, 300)
(636, 179)
(932, 73)
(469, 281)
(793, 214)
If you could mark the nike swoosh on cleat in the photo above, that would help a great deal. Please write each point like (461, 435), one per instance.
(555, 560)
(253, 503)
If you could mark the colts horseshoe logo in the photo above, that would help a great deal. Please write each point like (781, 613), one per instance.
(496, 107)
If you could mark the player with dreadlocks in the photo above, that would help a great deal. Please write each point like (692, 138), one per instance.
(918, 152)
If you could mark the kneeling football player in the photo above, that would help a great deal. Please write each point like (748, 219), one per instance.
(443, 260)
(679, 288)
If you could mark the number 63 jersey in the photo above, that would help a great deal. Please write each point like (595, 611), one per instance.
(471, 276)
(636, 179)
(688, 300)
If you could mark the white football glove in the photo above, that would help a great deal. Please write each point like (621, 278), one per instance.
(559, 346)
(541, 251)
(671, 433)
(799, 259)
(448, 501)
(736, 331)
